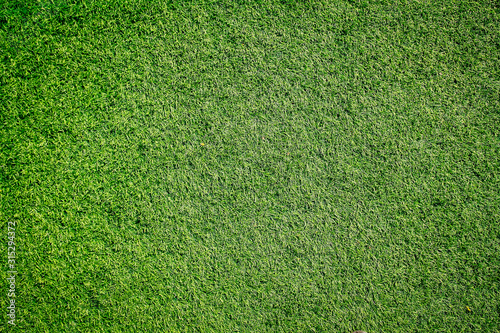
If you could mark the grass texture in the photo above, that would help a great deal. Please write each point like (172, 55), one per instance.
(251, 166)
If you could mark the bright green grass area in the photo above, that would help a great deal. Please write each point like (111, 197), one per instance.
(309, 166)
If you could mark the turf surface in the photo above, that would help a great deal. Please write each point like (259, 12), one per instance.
(221, 166)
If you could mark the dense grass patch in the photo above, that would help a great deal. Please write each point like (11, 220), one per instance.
(310, 166)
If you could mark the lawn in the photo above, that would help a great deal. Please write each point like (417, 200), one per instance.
(250, 166)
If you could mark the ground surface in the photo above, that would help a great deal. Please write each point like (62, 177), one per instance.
(295, 166)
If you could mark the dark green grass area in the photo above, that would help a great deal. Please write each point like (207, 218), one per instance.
(225, 166)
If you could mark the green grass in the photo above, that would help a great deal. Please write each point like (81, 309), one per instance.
(222, 166)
